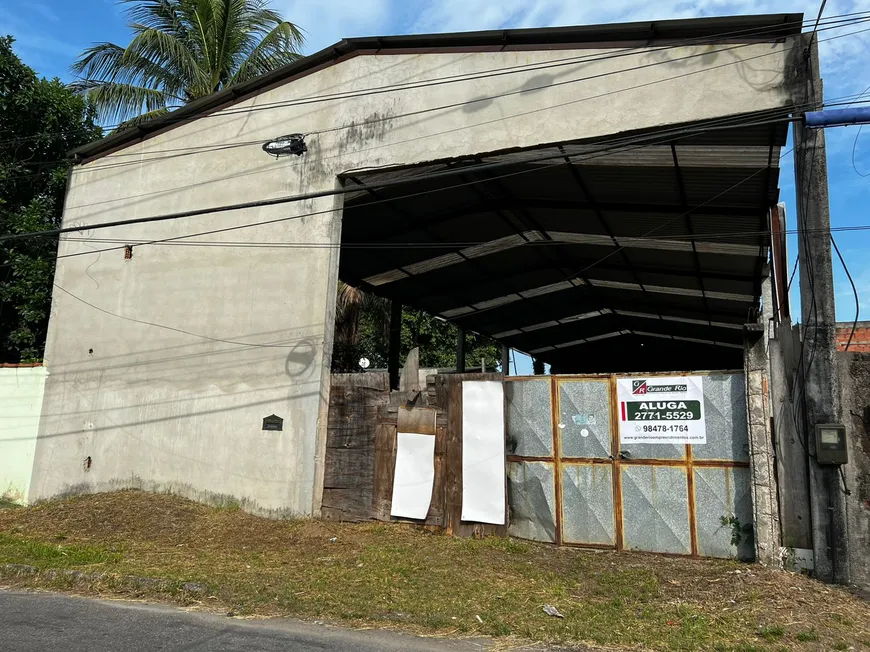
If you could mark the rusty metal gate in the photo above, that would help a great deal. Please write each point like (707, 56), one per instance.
(571, 482)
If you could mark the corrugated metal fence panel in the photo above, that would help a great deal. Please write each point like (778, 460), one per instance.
(648, 508)
(655, 509)
(723, 493)
(529, 418)
(654, 451)
(532, 499)
(584, 418)
(725, 418)
(587, 504)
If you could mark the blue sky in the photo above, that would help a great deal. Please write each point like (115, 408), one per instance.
(51, 33)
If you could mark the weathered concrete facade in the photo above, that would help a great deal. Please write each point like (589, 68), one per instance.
(762, 458)
(162, 366)
(820, 395)
(854, 485)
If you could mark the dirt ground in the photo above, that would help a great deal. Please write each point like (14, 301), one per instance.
(403, 577)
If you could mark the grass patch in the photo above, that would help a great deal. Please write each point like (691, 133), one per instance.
(6, 503)
(771, 634)
(21, 550)
(400, 576)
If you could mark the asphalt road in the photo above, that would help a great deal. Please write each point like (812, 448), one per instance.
(43, 622)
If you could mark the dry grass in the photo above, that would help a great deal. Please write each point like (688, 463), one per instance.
(400, 576)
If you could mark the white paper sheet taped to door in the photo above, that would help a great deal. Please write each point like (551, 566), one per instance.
(483, 453)
(414, 475)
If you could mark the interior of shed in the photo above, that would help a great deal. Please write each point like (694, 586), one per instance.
(637, 252)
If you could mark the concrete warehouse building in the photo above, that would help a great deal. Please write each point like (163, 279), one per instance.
(603, 198)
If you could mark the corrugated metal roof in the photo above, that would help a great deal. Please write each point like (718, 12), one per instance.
(671, 253)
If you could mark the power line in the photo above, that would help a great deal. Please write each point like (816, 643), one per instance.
(201, 149)
(444, 107)
(386, 244)
(854, 147)
(270, 106)
(854, 292)
(170, 328)
(476, 312)
(217, 148)
(352, 189)
(819, 17)
(500, 119)
(677, 130)
(490, 98)
(852, 19)
(460, 170)
(832, 22)
(808, 262)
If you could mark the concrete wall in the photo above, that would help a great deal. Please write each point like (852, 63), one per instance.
(21, 390)
(762, 460)
(854, 369)
(163, 366)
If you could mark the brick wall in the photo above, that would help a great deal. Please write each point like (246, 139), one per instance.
(860, 341)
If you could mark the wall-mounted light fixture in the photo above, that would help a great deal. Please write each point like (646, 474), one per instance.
(286, 145)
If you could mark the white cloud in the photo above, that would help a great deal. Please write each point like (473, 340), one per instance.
(327, 21)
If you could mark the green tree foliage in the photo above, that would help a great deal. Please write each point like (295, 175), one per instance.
(362, 331)
(40, 122)
(182, 50)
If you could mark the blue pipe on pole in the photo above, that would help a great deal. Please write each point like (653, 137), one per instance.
(837, 117)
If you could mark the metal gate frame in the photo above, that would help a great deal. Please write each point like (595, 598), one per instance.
(617, 461)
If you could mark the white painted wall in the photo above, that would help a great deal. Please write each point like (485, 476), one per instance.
(163, 366)
(21, 391)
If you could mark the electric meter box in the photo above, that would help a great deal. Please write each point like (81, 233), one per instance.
(831, 444)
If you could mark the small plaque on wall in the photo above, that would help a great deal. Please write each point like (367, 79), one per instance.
(273, 422)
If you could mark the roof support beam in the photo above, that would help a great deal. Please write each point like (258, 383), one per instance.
(578, 179)
(573, 343)
(589, 340)
(624, 313)
(531, 203)
(461, 311)
(683, 320)
(460, 257)
(533, 238)
(476, 290)
(681, 186)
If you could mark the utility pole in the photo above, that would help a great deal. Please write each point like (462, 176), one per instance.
(821, 391)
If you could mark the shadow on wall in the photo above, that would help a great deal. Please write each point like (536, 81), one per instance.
(377, 124)
(721, 55)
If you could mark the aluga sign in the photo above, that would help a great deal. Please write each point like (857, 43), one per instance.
(661, 410)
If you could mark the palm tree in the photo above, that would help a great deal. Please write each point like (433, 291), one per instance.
(352, 307)
(183, 50)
